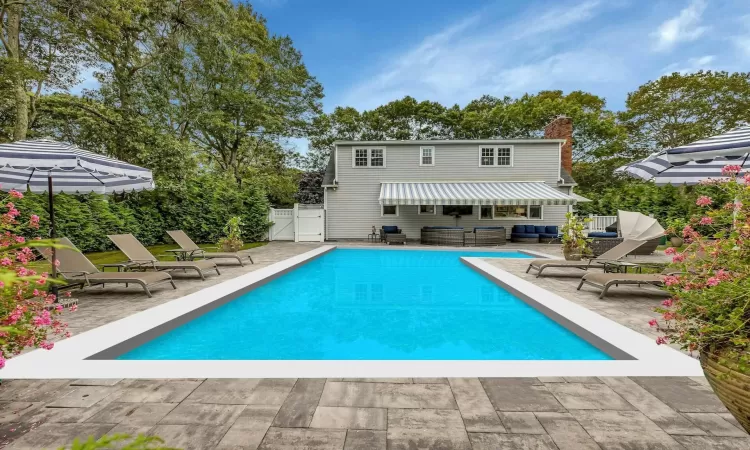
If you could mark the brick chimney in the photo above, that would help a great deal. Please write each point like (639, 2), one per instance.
(562, 128)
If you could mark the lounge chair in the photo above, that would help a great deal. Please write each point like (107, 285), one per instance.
(137, 253)
(604, 281)
(78, 270)
(192, 250)
(614, 254)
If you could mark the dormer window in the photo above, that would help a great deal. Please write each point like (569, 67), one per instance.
(368, 157)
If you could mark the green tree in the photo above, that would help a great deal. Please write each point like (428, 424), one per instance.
(678, 109)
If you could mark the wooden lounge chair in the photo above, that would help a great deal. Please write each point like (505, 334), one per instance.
(193, 251)
(137, 253)
(604, 281)
(614, 254)
(78, 270)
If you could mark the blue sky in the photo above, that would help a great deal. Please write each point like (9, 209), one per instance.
(366, 53)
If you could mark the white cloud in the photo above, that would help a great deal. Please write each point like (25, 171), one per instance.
(685, 27)
(692, 65)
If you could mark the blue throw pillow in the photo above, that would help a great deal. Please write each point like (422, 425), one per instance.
(530, 229)
(540, 229)
(390, 229)
(519, 229)
(551, 229)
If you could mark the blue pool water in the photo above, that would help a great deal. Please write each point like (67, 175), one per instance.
(374, 305)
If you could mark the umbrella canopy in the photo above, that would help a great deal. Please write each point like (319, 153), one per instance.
(734, 144)
(658, 169)
(73, 170)
(636, 226)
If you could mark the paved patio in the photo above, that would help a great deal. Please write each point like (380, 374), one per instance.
(496, 413)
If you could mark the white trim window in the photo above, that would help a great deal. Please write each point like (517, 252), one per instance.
(426, 209)
(389, 210)
(368, 157)
(426, 156)
(510, 212)
(495, 156)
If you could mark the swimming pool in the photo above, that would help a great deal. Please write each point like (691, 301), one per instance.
(365, 304)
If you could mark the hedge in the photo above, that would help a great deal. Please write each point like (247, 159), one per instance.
(201, 207)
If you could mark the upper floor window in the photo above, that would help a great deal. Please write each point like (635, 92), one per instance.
(368, 157)
(495, 156)
(426, 156)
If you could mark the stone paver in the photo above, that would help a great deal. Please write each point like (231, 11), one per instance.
(682, 394)
(714, 424)
(301, 438)
(426, 428)
(475, 407)
(387, 395)
(299, 407)
(520, 394)
(224, 391)
(350, 418)
(132, 413)
(565, 431)
(155, 391)
(623, 430)
(52, 435)
(521, 422)
(200, 414)
(588, 396)
(83, 397)
(365, 440)
(249, 429)
(190, 437)
(271, 391)
(497, 441)
(713, 443)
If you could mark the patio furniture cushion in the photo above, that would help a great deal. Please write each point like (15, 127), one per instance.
(603, 234)
(539, 229)
(551, 229)
(390, 229)
(488, 228)
(519, 229)
(524, 235)
(548, 235)
(530, 229)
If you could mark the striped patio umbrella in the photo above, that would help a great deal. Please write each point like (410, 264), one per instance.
(658, 169)
(734, 144)
(55, 167)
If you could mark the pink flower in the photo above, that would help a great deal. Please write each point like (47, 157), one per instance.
(679, 257)
(703, 201)
(6, 261)
(722, 274)
(661, 340)
(47, 345)
(706, 221)
(73, 308)
(731, 169)
(670, 251)
(713, 281)
(58, 307)
(2, 362)
(15, 194)
(687, 231)
(668, 302)
(652, 323)
(671, 280)
(747, 178)
(20, 239)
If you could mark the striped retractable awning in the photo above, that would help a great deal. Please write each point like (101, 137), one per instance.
(472, 193)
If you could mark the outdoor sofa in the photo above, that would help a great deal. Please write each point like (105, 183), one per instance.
(391, 234)
(534, 233)
(79, 271)
(489, 236)
(191, 250)
(143, 259)
(442, 235)
(620, 251)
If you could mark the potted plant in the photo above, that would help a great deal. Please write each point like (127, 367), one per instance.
(674, 231)
(232, 242)
(709, 308)
(575, 243)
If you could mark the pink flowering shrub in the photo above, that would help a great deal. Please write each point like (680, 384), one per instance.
(28, 313)
(709, 308)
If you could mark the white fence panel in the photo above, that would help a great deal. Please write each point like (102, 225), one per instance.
(309, 223)
(600, 223)
(283, 225)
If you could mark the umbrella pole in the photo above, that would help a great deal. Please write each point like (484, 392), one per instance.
(52, 224)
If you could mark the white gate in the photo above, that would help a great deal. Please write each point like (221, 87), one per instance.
(283, 225)
(309, 223)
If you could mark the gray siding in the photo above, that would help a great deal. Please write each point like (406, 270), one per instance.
(353, 208)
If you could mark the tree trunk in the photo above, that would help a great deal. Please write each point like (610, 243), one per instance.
(19, 86)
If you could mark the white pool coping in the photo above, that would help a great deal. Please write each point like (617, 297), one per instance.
(69, 357)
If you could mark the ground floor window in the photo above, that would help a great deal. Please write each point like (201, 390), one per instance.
(426, 209)
(510, 212)
(457, 210)
(389, 210)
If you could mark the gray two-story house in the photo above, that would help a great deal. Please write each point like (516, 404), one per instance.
(465, 183)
